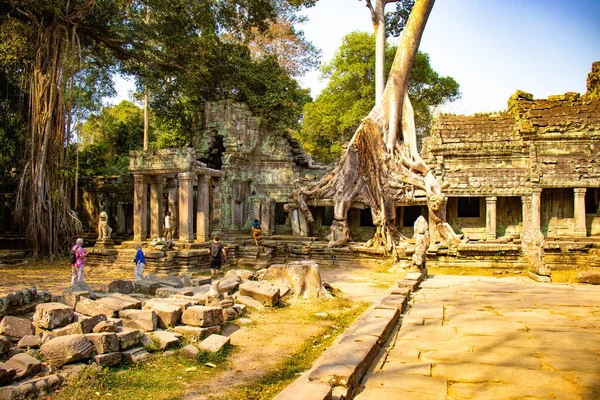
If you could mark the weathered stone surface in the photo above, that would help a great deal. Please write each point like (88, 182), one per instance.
(104, 342)
(376, 322)
(71, 329)
(108, 359)
(105, 326)
(128, 338)
(165, 340)
(200, 281)
(25, 365)
(229, 284)
(243, 274)
(30, 388)
(202, 316)
(120, 286)
(88, 323)
(16, 327)
(71, 297)
(146, 287)
(249, 302)
(121, 302)
(197, 332)
(301, 277)
(167, 315)
(91, 308)
(229, 314)
(5, 344)
(398, 301)
(29, 341)
(181, 303)
(190, 352)
(302, 388)
(214, 343)
(7, 374)
(408, 284)
(164, 292)
(144, 320)
(135, 356)
(67, 349)
(589, 277)
(240, 309)
(262, 291)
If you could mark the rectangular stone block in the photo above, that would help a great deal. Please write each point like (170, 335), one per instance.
(120, 286)
(71, 297)
(16, 327)
(25, 365)
(376, 322)
(167, 315)
(169, 291)
(128, 338)
(121, 302)
(165, 340)
(197, 332)
(92, 308)
(411, 285)
(88, 323)
(398, 301)
(135, 356)
(104, 342)
(108, 360)
(214, 343)
(146, 287)
(302, 388)
(203, 316)
(262, 291)
(144, 320)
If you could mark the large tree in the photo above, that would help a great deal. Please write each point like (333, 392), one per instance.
(382, 165)
(332, 118)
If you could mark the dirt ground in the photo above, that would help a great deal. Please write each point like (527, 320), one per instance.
(252, 358)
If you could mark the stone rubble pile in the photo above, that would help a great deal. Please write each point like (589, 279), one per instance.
(117, 326)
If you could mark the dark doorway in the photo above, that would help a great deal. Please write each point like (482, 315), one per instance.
(468, 207)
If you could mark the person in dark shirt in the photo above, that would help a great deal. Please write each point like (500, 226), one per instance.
(217, 256)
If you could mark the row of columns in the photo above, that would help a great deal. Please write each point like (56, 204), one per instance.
(532, 206)
(180, 195)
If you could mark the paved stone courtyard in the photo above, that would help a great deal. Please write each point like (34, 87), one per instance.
(489, 338)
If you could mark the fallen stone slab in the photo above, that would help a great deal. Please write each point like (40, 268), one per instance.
(229, 314)
(67, 349)
(104, 342)
(108, 359)
(105, 326)
(376, 322)
(120, 286)
(29, 342)
(403, 291)
(197, 332)
(164, 292)
(181, 303)
(5, 344)
(165, 340)
(88, 323)
(135, 356)
(415, 276)
(240, 309)
(167, 315)
(304, 389)
(7, 374)
(174, 282)
(15, 327)
(589, 277)
(30, 388)
(202, 316)
(71, 297)
(190, 352)
(262, 291)
(243, 274)
(91, 308)
(229, 284)
(121, 302)
(201, 281)
(249, 302)
(128, 338)
(214, 343)
(144, 320)
(25, 365)
(146, 287)
(398, 301)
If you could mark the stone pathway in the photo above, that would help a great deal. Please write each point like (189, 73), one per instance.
(489, 338)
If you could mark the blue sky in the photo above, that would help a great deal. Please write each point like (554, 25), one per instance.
(491, 47)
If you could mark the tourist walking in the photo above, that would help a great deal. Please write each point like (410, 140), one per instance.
(168, 234)
(78, 254)
(217, 256)
(256, 231)
(140, 263)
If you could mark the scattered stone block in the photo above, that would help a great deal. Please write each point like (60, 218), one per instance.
(167, 315)
(135, 356)
(398, 301)
(91, 308)
(71, 329)
(410, 285)
(16, 327)
(88, 323)
(197, 332)
(121, 302)
(52, 315)
(144, 320)
(164, 292)
(202, 316)
(230, 284)
(190, 352)
(5, 344)
(229, 314)
(105, 326)
(214, 343)
(185, 279)
(30, 388)
(249, 302)
(120, 286)
(146, 287)
(401, 291)
(104, 342)
(243, 274)
(72, 371)
(25, 365)
(71, 297)
(67, 349)
(589, 277)
(240, 309)
(200, 281)
(82, 287)
(108, 359)
(262, 291)
(539, 278)
(7, 374)
(47, 336)
(128, 338)
(165, 340)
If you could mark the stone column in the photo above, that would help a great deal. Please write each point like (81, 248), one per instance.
(536, 209)
(490, 217)
(157, 214)
(295, 219)
(140, 207)
(579, 228)
(121, 224)
(265, 216)
(302, 224)
(256, 209)
(203, 211)
(526, 201)
(172, 205)
(186, 207)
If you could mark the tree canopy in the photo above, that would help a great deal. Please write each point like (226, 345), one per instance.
(330, 121)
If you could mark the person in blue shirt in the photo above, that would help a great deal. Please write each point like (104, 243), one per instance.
(140, 262)
(256, 231)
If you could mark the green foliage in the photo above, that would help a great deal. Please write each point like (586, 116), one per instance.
(330, 121)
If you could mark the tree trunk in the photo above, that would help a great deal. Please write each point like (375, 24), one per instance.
(378, 18)
(302, 277)
(378, 169)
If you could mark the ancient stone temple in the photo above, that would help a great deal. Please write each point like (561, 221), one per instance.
(535, 166)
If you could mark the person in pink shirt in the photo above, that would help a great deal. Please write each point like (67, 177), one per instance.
(77, 266)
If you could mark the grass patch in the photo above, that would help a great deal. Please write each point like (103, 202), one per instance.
(341, 313)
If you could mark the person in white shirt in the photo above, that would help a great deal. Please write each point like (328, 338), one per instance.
(168, 234)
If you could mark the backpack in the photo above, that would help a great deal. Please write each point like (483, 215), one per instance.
(73, 256)
(215, 251)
